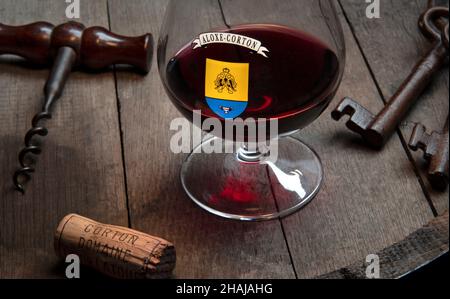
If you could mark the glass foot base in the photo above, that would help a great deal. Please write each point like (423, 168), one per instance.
(258, 190)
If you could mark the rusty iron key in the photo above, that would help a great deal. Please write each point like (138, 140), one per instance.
(436, 149)
(376, 130)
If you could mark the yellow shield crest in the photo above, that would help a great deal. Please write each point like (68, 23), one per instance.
(226, 87)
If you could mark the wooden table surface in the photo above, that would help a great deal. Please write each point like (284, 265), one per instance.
(107, 156)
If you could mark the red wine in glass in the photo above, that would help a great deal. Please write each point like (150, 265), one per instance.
(243, 64)
(294, 83)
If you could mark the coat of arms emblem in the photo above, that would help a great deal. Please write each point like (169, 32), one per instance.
(226, 81)
(226, 87)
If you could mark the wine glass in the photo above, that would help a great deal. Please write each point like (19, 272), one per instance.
(274, 63)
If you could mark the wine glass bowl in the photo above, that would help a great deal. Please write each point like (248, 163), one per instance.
(259, 66)
(295, 91)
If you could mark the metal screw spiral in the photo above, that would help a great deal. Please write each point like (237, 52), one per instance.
(30, 148)
(61, 69)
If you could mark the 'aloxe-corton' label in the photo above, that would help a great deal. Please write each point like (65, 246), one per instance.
(232, 39)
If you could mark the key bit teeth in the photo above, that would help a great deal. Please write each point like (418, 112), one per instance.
(360, 117)
(422, 140)
(419, 138)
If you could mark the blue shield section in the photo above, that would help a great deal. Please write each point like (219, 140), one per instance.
(226, 109)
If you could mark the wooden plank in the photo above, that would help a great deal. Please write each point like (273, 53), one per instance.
(394, 40)
(425, 246)
(207, 247)
(369, 200)
(80, 169)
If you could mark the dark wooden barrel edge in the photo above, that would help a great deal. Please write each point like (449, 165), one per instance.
(400, 259)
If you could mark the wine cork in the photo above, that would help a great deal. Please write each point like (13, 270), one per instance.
(115, 251)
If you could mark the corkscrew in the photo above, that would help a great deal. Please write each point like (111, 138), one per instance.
(66, 47)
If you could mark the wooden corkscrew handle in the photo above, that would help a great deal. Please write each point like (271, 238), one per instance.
(64, 47)
(96, 47)
(31, 42)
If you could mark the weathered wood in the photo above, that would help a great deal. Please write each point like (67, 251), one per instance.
(400, 259)
(207, 247)
(395, 41)
(80, 169)
(369, 199)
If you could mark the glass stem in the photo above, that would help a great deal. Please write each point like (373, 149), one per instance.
(251, 154)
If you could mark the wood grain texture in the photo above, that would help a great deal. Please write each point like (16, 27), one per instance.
(207, 247)
(80, 169)
(418, 249)
(394, 40)
(369, 199)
